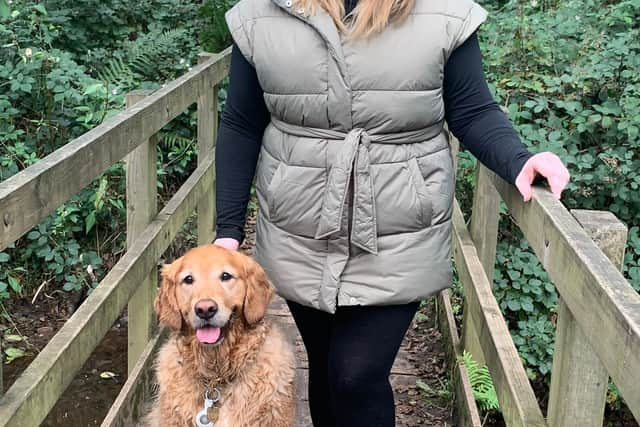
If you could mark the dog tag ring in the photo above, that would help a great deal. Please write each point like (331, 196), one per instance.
(209, 414)
(202, 420)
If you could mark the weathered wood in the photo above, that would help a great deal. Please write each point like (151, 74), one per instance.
(578, 379)
(141, 179)
(517, 400)
(35, 392)
(29, 196)
(483, 229)
(485, 216)
(207, 130)
(470, 336)
(454, 145)
(137, 393)
(466, 409)
(601, 300)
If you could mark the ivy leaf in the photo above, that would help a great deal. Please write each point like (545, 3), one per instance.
(527, 306)
(4, 257)
(513, 274)
(513, 305)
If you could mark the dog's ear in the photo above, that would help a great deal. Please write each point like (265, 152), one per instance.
(259, 292)
(166, 303)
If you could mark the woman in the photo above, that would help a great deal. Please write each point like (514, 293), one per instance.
(345, 103)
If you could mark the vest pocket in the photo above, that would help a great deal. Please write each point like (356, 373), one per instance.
(271, 190)
(294, 198)
(438, 180)
(424, 199)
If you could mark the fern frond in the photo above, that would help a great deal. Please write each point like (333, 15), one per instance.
(484, 391)
(174, 142)
(115, 71)
(140, 56)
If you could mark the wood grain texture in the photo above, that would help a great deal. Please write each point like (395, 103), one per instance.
(517, 401)
(207, 132)
(483, 229)
(29, 196)
(466, 409)
(141, 188)
(579, 379)
(35, 392)
(604, 304)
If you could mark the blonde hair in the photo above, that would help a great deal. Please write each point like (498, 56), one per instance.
(369, 16)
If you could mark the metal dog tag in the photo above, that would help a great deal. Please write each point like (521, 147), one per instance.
(209, 414)
(202, 417)
(212, 413)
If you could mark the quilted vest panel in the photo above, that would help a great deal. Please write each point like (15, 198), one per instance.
(355, 177)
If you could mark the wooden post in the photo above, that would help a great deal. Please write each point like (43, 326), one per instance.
(454, 146)
(141, 208)
(484, 233)
(207, 132)
(578, 379)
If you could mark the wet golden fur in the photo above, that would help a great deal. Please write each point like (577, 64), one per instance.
(253, 366)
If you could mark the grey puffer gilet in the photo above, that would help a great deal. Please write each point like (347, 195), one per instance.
(355, 178)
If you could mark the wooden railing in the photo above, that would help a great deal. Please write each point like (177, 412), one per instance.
(598, 317)
(31, 195)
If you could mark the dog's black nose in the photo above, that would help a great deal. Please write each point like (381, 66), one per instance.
(206, 308)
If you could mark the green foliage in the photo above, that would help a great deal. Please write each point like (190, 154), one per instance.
(569, 74)
(215, 35)
(481, 383)
(65, 67)
(527, 298)
(147, 59)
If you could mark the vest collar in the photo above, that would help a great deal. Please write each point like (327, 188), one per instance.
(323, 24)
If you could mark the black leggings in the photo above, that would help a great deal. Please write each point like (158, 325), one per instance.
(350, 357)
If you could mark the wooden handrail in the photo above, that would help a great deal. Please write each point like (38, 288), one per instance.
(517, 400)
(598, 306)
(598, 315)
(603, 302)
(29, 196)
(34, 393)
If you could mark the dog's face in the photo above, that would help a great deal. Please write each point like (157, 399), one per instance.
(202, 290)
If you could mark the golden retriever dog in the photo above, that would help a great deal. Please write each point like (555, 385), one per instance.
(214, 301)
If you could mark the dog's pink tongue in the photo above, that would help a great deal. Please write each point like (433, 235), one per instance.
(208, 334)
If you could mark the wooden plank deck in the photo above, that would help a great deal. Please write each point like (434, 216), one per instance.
(402, 374)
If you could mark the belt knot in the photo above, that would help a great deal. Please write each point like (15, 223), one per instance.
(352, 161)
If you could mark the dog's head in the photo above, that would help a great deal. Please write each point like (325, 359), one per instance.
(201, 290)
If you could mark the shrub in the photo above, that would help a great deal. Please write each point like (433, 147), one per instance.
(569, 74)
(64, 68)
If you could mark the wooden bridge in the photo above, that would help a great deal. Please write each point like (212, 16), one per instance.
(598, 333)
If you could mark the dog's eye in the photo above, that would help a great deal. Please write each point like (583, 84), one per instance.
(225, 276)
(188, 279)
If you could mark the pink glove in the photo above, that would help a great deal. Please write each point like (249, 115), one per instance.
(227, 243)
(549, 166)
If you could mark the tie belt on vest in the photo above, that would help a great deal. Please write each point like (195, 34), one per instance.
(353, 160)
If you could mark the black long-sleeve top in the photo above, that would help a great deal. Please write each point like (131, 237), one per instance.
(471, 113)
